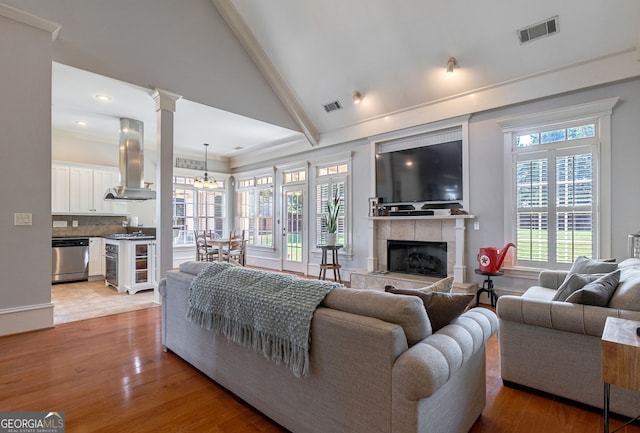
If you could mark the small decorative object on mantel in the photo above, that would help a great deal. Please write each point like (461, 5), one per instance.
(459, 212)
(373, 206)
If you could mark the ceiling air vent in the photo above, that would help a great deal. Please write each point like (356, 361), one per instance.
(539, 30)
(332, 106)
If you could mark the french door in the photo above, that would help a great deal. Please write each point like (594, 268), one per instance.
(293, 239)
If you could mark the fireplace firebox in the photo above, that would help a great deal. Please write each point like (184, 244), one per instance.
(417, 257)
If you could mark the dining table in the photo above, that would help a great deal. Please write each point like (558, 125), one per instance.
(218, 243)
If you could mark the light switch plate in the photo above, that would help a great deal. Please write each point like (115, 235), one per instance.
(59, 224)
(22, 219)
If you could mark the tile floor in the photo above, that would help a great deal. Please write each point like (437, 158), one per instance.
(88, 299)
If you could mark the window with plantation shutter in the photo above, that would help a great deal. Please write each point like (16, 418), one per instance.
(558, 202)
(532, 197)
(574, 207)
(331, 180)
(325, 191)
(555, 196)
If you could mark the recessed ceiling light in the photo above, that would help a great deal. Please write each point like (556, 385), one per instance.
(103, 98)
(81, 123)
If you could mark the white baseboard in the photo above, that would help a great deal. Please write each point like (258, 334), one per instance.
(264, 262)
(27, 318)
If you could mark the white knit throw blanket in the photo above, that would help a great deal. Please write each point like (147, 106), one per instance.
(266, 311)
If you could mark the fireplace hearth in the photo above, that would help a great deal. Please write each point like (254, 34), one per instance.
(417, 257)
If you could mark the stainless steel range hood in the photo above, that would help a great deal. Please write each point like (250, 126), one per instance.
(132, 186)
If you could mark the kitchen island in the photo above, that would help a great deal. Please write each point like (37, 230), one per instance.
(130, 262)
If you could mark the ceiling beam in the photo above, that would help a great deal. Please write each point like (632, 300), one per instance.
(252, 47)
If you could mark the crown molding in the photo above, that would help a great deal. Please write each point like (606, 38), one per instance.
(31, 20)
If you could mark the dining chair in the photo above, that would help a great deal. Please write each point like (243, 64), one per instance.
(205, 252)
(235, 248)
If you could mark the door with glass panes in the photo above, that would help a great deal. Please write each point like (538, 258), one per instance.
(293, 249)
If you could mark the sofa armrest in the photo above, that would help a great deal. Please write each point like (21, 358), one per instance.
(551, 279)
(420, 371)
(562, 316)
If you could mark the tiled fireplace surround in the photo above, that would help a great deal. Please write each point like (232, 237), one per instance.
(446, 228)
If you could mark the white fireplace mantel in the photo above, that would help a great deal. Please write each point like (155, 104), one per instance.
(448, 228)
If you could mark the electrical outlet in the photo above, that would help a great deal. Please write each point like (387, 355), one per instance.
(74, 223)
(476, 225)
(22, 219)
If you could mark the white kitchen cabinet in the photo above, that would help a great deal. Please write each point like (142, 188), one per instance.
(80, 190)
(59, 188)
(103, 179)
(96, 257)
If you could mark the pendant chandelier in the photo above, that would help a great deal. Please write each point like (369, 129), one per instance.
(205, 181)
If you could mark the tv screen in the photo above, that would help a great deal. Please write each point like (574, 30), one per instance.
(424, 174)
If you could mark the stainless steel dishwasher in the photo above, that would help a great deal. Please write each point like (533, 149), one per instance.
(69, 259)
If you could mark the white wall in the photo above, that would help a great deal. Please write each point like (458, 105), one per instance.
(25, 177)
(486, 198)
(186, 49)
(486, 150)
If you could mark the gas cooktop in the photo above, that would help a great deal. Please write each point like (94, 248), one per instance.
(130, 237)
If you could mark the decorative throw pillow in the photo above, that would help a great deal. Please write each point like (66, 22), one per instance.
(584, 265)
(597, 292)
(572, 283)
(443, 286)
(441, 308)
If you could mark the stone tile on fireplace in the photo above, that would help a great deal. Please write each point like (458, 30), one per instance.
(451, 257)
(403, 229)
(383, 230)
(428, 230)
(381, 246)
(449, 231)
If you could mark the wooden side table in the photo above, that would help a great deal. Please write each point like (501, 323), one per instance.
(333, 265)
(620, 359)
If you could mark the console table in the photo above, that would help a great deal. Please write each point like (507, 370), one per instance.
(620, 359)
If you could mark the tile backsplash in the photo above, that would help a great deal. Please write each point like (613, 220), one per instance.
(87, 225)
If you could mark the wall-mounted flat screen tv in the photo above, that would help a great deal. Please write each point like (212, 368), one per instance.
(430, 173)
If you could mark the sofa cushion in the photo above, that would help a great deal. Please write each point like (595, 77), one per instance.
(572, 283)
(406, 311)
(539, 292)
(441, 308)
(597, 292)
(627, 294)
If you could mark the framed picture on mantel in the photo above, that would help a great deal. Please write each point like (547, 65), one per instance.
(373, 206)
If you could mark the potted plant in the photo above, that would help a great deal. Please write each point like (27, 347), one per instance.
(333, 211)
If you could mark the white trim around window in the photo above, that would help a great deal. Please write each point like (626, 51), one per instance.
(599, 112)
(345, 178)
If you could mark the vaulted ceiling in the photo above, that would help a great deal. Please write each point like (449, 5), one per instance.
(311, 53)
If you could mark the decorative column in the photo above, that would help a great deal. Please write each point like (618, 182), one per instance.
(165, 107)
(459, 268)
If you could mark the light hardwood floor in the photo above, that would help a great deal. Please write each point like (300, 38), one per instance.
(89, 299)
(110, 374)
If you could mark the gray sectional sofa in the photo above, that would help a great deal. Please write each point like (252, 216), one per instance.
(375, 366)
(555, 346)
